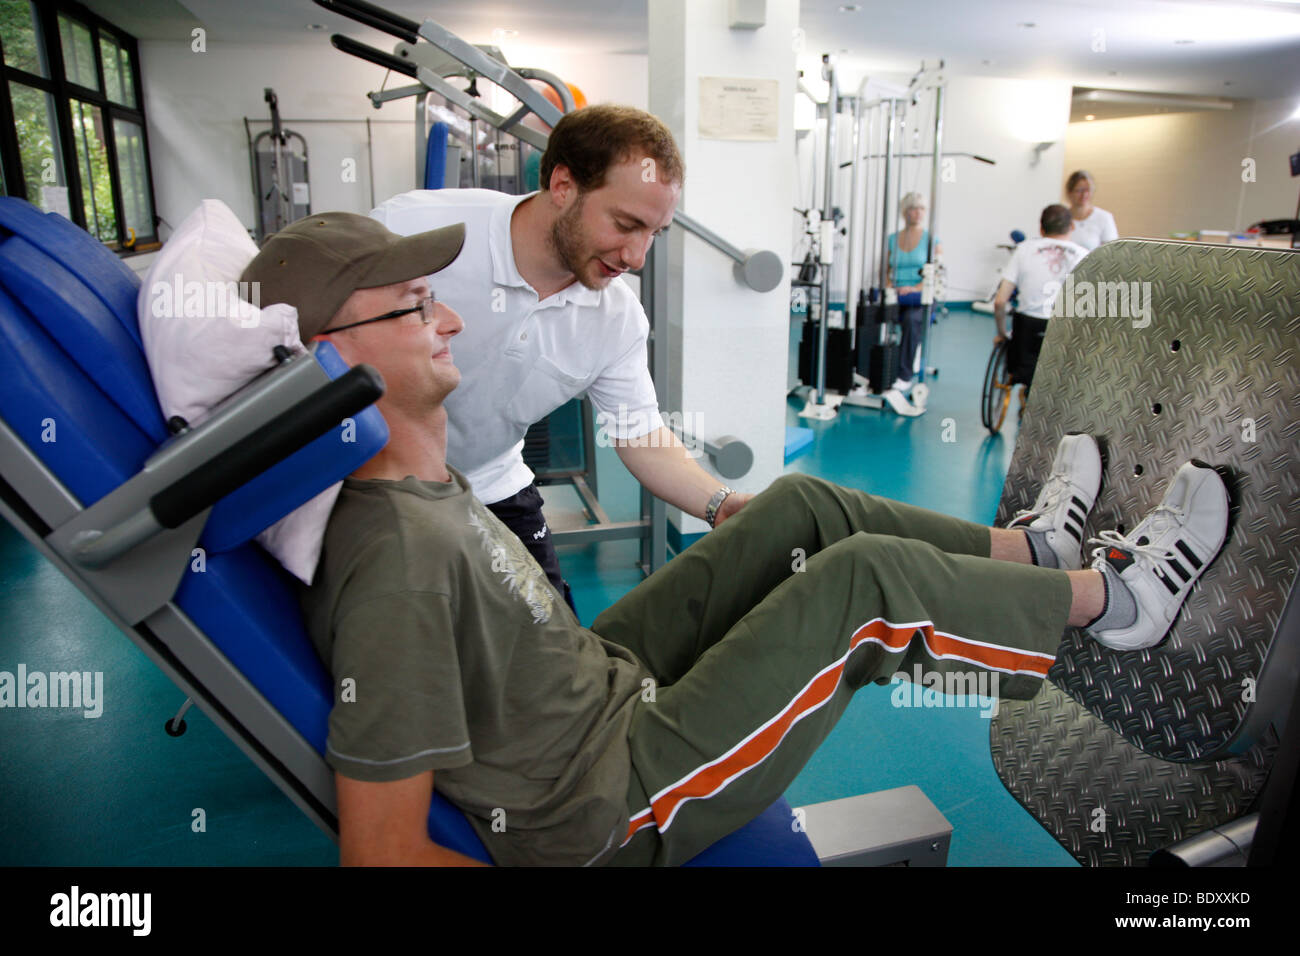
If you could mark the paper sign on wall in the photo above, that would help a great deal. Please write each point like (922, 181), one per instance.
(301, 194)
(738, 109)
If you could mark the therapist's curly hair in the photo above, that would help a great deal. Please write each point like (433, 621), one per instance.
(590, 140)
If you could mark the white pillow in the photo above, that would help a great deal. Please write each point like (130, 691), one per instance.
(204, 341)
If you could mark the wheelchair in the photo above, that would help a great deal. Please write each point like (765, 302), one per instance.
(1012, 363)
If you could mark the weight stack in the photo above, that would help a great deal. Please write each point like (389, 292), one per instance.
(877, 363)
(882, 364)
(839, 357)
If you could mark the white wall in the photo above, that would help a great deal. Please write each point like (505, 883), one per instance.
(728, 344)
(196, 103)
(1181, 172)
(1002, 120)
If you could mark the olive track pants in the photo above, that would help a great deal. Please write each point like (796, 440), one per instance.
(758, 634)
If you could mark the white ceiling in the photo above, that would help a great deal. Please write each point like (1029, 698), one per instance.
(1238, 48)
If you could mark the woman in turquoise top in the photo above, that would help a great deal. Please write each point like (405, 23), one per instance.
(908, 250)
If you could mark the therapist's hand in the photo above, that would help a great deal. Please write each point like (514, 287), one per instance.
(730, 505)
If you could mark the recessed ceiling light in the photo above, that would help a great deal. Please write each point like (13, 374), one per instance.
(1183, 42)
(1090, 117)
(986, 62)
(850, 7)
(317, 26)
(1027, 26)
(500, 34)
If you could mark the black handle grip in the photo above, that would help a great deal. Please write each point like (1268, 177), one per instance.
(379, 57)
(278, 439)
(373, 16)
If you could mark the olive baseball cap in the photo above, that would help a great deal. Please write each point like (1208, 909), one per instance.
(318, 261)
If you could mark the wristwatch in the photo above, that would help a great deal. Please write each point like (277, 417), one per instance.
(719, 496)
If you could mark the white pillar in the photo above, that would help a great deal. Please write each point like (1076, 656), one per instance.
(728, 344)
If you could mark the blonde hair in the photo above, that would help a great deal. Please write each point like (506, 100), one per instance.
(1077, 177)
(910, 201)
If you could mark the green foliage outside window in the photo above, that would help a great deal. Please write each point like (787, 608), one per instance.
(89, 49)
(33, 117)
(18, 34)
(92, 164)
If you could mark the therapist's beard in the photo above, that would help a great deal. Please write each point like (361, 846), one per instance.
(567, 240)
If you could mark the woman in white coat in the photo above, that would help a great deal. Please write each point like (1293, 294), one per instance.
(1092, 226)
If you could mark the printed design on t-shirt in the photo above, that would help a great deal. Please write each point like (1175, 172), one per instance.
(1058, 260)
(522, 575)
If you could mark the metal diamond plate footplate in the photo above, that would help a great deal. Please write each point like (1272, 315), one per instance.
(1155, 738)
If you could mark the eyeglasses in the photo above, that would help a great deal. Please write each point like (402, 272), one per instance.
(424, 317)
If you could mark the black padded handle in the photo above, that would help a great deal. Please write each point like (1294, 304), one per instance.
(373, 16)
(278, 439)
(379, 57)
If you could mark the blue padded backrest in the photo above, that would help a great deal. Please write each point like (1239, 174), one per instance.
(87, 331)
(108, 277)
(64, 418)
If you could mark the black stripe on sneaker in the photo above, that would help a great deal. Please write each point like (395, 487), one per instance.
(1182, 572)
(1073, 533)
(1078, 516)
(1173, 588)
(1079, 503)
(1189, 555)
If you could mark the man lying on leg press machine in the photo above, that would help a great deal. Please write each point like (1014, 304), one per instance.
(454, 658)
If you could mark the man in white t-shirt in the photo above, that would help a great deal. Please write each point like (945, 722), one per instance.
(548, 318)
(1037, 268)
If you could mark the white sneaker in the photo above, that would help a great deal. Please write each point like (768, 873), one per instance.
(901, 386)
(1158, 561)
(1062, 505)
(899, 403)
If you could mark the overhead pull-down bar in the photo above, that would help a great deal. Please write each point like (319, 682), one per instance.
(760, 270)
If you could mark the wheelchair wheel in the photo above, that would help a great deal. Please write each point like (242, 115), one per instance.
(996, 397)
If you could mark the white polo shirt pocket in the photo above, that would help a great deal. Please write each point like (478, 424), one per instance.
(544, 389)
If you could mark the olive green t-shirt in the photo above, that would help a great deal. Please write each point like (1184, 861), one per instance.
(451, 652)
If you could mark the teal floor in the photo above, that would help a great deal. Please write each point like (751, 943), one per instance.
(116, 790)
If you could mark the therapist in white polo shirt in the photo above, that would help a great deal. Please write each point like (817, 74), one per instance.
(547, 317)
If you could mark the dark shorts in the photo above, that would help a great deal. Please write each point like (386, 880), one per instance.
(522, 514)
(1027, 335)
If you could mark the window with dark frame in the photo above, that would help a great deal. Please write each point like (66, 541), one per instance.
(73, 138)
